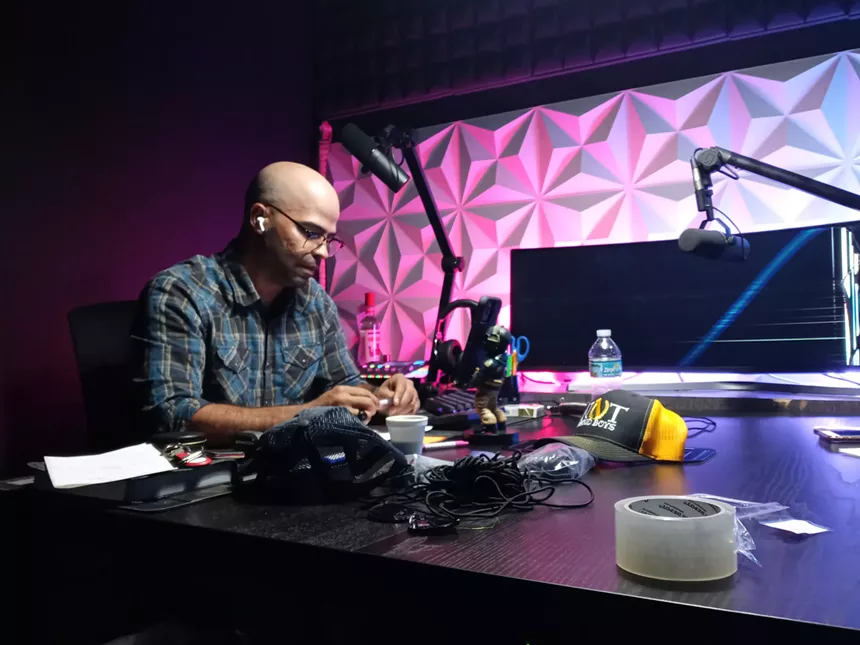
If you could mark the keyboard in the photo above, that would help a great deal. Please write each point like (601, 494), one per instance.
(451, 410)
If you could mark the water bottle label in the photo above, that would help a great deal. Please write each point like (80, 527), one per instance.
(605, 369)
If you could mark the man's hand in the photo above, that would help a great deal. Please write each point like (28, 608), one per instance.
(401, 392)
(354, 399)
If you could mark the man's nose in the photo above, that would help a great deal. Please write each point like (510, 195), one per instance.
(321, 251)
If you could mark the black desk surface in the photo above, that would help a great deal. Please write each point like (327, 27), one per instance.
(814, 579)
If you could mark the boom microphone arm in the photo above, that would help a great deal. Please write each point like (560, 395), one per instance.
(376, 156)
(709, 160)
(451, 263)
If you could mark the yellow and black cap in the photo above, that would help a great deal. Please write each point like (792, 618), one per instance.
(625, 426)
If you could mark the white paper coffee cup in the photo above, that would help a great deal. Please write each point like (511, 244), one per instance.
(407, 432)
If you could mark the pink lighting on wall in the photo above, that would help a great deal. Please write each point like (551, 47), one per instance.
(601, 170)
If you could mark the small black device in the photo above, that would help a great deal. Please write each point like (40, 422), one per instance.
(839, 435)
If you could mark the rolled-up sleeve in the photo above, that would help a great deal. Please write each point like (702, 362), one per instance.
(338, 366)
(170, 356)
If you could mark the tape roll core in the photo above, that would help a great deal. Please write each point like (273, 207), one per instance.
(675, 538)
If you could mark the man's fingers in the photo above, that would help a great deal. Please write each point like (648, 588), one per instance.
(384, 392)
(401, 389)
(413, 401)
(408, 405)
(360, 392)
(368, 405)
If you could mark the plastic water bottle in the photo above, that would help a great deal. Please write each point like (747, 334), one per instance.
(604, 364)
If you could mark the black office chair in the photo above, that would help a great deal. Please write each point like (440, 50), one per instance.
(100, 334)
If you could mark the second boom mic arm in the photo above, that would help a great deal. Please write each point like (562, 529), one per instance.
(708, 160)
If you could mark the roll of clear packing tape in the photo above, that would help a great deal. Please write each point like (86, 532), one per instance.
(677, 538)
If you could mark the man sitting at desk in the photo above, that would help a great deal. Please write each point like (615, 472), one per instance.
(245, 339)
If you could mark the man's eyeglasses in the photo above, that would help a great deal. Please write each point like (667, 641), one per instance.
(314, 237)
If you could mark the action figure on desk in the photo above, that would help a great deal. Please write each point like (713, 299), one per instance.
(489, 377)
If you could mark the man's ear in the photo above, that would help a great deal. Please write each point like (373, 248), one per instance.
(258, 218)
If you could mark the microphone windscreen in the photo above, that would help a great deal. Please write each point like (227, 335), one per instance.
(714, 245)
(692, 238)
(372, 159)
(357, 142)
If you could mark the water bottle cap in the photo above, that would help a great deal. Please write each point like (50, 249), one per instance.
(369, 299)
(604, 333)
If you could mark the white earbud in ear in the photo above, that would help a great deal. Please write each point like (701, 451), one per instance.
(261, 224)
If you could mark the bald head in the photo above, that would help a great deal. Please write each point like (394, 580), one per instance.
(294, 188)
(291, 215)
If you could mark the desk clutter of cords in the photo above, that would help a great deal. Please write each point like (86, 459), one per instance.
(474, 490)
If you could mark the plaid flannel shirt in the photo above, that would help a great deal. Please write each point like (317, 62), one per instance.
(204, 336)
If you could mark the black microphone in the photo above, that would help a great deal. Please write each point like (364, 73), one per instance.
(366, 150)
(703, 190)
(714, 245)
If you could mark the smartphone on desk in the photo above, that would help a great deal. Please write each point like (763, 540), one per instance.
(838, 435)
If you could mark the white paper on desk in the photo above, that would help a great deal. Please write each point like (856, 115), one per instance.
(854, 452)
(125, 463)
(798, 527)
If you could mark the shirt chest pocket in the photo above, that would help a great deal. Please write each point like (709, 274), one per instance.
(301, 367)
(231, 371)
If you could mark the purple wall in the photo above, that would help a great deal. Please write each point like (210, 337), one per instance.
(134, 136)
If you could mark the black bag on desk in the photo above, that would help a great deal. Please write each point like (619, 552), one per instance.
(322, 455)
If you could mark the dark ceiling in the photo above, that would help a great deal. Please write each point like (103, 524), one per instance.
(433, 61)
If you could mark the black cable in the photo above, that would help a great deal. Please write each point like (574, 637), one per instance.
(730, 220)
(476, 486)
(729, 172)
(534, 380)
(740, 233)
(699, 425)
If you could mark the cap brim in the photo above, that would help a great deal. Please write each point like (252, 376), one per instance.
(603, 449)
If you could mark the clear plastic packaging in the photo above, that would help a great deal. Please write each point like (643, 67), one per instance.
(746, 510)
(421, 464)
(557, 461)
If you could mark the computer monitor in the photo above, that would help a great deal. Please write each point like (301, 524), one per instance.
(790, 307)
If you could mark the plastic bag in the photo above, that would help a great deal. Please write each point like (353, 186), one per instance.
(557, 461)
(421, 464)
(771, 514)
(746, 510)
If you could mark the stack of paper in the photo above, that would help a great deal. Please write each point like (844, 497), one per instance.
(125, 463)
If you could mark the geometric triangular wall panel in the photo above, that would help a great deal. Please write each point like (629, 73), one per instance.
(604, 170)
